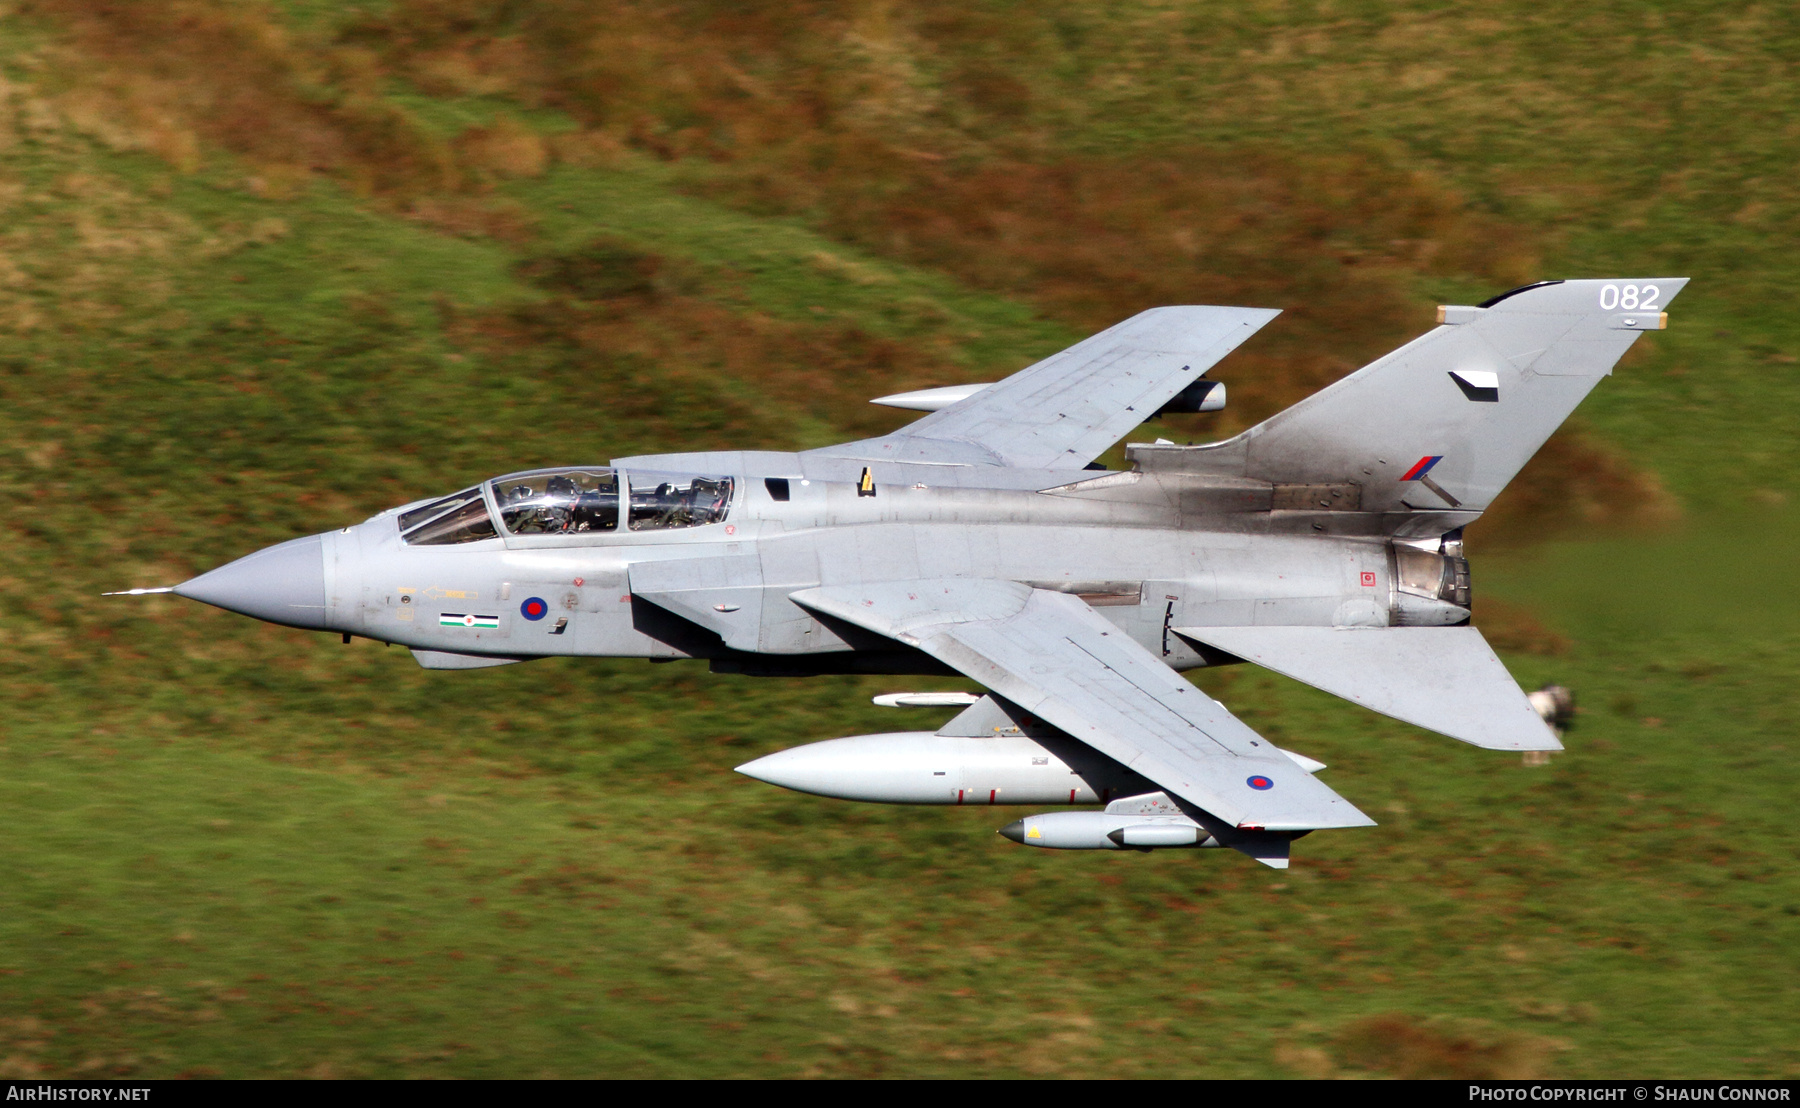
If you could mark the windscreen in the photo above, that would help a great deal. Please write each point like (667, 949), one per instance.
(454, 519)
(565, 502)
(660, 501)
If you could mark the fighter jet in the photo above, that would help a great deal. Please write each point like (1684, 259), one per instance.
(982, 540)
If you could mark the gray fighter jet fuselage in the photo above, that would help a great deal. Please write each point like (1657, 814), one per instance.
(1324, 543)
(1151, 552)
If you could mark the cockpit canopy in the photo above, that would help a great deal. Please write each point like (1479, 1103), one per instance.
(569, 502)
(462, 517)
(660, 501)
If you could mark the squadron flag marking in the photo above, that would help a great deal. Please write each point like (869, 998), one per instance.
(459, 619)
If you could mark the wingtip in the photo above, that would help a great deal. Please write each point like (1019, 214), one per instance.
(1549, 744)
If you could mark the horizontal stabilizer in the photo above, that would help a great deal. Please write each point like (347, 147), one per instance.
(1444, 679)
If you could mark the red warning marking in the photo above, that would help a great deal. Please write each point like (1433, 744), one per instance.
(992, 793)
(1368, 580)
(1071, 796)
(959, 793)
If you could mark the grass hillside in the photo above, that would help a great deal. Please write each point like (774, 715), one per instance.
(266, 269)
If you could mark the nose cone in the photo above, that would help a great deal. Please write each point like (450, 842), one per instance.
(1014, 831)
(782, 768)
(281, 584)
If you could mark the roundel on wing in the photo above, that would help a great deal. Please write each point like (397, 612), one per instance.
(1260, 783)
(534, 608)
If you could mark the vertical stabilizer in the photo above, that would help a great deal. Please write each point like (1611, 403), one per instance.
(1444, 422)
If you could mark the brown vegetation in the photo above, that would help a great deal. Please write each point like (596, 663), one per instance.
(505, 148)
(1515, 630)
(1398, 1046)
(475, 217)
(1571, 482)
(1094, 240)
(905, 134)
(921, 134)
(166, 76)
(630, 327)
(910, 141)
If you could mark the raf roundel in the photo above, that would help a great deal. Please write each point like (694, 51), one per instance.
(1260, 783)
(534, 608)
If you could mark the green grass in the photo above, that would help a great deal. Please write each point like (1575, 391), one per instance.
(238, 850)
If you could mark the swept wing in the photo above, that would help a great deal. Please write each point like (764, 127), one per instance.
(1062, 412)
(1057, 658)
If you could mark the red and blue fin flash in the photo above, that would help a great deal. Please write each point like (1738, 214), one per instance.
(1421, 471)
(1422, 467)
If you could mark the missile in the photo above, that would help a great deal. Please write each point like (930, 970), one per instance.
(1108, 830)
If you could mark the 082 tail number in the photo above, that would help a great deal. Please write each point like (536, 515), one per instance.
(1631, 298)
